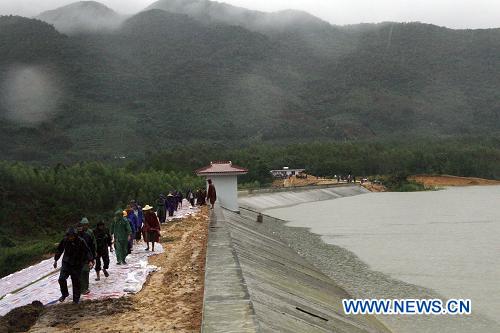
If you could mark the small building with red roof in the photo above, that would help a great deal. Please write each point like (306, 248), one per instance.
(224, 176)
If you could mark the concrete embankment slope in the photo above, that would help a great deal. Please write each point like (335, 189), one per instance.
(256, 283)
(267, 199)
(343, 266)
(226, 303)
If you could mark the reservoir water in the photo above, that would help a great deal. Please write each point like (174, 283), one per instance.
(447, 241)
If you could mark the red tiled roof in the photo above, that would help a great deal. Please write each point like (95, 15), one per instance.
(221, 167)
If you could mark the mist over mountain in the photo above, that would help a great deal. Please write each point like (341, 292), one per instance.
(195, 71)
(83, 16)
(212, 11)
(297, 28)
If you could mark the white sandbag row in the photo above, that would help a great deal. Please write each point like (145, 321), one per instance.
(39, 282)
(19, 289)
(25, 277)
(184, 212)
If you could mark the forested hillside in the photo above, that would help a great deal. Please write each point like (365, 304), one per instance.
(146, 99)
(224, 74)
(39, 202)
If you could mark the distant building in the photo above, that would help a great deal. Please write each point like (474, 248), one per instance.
(224, 175)
(286, 172)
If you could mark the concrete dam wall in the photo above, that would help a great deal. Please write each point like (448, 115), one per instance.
(268, 199)
(257, 283)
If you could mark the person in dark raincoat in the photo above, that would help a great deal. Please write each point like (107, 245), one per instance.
(122, 233)
(151, 227)
(211, 194)
(76, 255)
(103, 242)
(190, 197)
(88, 236)
(171, 204)
(200, 197)
(161, 208)
(176, 200)
(179, 198)
(203, 196)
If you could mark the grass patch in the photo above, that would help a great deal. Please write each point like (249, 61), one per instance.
(410, 187)
(18, 257)
(400, 183)
(168, 239)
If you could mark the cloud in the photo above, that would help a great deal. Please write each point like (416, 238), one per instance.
(30, 95)
(450, 13)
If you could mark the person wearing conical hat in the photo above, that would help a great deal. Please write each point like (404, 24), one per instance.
(121, 231)
(171, 204)
(151, 227)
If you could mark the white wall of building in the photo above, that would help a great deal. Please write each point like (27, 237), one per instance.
(227, 191)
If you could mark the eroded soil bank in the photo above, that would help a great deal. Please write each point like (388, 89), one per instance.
(446, 180)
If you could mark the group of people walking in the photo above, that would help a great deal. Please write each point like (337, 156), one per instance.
(349, 178)
(168, 204)
(83, 249)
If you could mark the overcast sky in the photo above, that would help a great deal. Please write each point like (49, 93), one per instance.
(450, 13)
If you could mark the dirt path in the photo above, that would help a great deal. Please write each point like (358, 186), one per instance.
(298, 182)
(374, 187)
(171, 300)
(446, 180)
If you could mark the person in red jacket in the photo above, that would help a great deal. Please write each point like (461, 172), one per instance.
(211, 194)
(151, 227)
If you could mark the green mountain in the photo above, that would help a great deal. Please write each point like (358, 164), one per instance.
(176, 75)
(300, 30)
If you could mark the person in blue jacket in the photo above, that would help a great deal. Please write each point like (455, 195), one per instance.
(171, 204)
(132, 220)
(139, 221)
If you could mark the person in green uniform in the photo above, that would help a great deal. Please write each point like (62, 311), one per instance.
(88, 236)
(161, 211)
(121, 231)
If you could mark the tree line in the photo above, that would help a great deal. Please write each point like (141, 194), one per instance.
(478, 157)
(39, 202)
